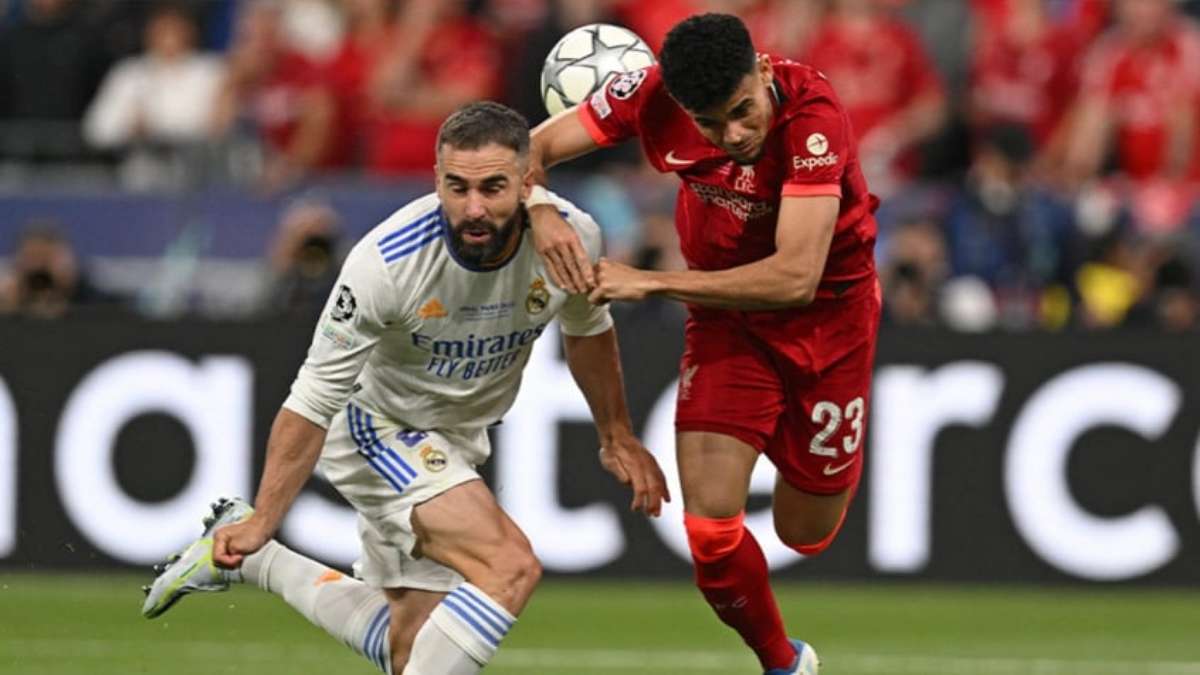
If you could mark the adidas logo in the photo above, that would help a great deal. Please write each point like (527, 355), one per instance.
(432, 310)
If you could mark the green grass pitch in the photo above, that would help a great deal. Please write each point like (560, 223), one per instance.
(68, 624)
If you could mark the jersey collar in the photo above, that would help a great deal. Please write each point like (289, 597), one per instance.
(514, 244)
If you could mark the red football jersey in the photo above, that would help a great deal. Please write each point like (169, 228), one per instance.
(1141, 83)
(726, 213)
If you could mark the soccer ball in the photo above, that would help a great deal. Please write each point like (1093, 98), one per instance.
(585, 59)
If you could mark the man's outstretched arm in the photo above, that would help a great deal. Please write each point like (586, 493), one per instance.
(559, 139)
(787, 278)
(596, 367)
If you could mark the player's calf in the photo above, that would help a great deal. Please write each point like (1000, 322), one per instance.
(808, 523)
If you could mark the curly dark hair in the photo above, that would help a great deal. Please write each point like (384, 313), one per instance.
(477, 124)
(704, 59)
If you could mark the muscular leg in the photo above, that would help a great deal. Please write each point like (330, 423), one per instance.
(731, 570)
(808, 522)
(465, 529)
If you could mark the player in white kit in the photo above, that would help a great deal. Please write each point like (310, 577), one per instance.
(419, 349)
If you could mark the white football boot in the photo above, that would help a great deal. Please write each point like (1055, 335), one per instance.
(192, 570)
(806, 663)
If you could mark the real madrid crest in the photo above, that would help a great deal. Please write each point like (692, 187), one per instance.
(433, 459)
(538, 298)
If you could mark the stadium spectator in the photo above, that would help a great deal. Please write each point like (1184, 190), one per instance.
(303, 261)
(314, 27)
(1006, 228)
(1141, 89)
(783, 27)
(887, 84)
(152, 105)
(1173, 304)
(915, 268)
(277, 93)
(1024, 74)
(44, 279)
(50, 64)
(371, 32)
(440, 58)
(529, 44)
(652, 20)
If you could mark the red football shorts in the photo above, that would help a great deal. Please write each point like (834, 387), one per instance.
(793, 385)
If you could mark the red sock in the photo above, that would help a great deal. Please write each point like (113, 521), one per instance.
(732, 573)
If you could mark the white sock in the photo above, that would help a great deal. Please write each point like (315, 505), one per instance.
(344, 607)
(461, 635)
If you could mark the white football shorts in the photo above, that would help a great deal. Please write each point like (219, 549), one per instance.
(384, 471)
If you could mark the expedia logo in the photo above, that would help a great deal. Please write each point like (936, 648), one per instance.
(810, 163)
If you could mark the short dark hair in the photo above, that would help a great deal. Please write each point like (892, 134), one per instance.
(704, 59)
(477, 124)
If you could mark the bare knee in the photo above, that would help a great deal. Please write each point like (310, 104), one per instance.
(510, 575)
(806, 522)
(807, 536)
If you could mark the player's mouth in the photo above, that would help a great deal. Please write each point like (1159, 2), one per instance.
(742, 150)
(476, 235)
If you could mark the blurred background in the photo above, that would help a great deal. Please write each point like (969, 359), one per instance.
(180, 179)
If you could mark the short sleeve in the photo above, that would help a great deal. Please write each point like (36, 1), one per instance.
(817, 141)
(611, 114)
(360, 309)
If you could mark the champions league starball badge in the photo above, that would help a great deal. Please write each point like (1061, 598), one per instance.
(538, 298)
(345, 305)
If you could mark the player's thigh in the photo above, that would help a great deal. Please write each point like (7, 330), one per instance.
(714, 473)
(729, 403)
(464, 528)
(819, 448)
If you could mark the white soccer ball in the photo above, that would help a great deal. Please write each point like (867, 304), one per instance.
(585, 59)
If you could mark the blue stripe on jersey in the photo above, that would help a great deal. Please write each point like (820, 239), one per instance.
(482, 611)
(369, 646)
(358, 432)
(487, 609)
(451, 603)
(403, 243)
(431, 235)
(408, 227)
(387, 451)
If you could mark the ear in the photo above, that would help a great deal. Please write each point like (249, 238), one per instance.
(765, 70)
(527, 183)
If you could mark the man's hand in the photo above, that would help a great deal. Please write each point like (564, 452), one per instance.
(232, 543)
(632, 464)
(559, 246)
(615, 281)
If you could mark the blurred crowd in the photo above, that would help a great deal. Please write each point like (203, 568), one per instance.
(1039, 160)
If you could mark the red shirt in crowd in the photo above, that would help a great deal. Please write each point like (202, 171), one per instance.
(275, 104)
(458, 53)
(1031, 83)
(876, 74)
(1141, 84)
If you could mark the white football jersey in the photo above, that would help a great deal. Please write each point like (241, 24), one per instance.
(424, 339)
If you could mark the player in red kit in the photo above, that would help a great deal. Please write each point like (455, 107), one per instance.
(775, 222)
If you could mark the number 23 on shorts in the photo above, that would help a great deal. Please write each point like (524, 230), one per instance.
(829, 416)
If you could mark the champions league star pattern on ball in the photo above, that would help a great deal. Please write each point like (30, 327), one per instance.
(585, 59)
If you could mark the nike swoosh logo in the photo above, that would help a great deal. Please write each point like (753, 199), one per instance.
(831, 470)
(675, 161)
